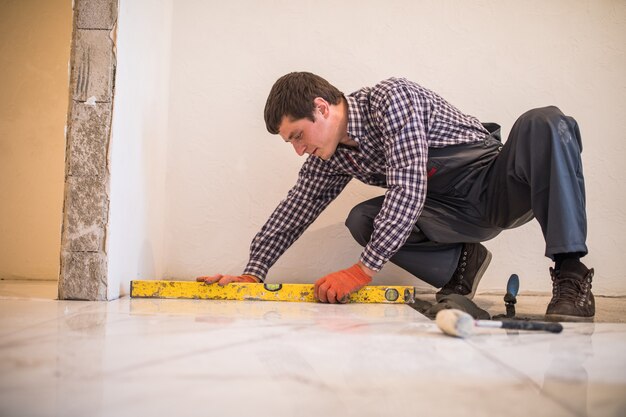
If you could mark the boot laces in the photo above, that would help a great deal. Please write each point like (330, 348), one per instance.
(570, 289)
(460, 270)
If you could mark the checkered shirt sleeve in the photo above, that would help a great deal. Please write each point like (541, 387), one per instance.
(401, 116)
(316, 188)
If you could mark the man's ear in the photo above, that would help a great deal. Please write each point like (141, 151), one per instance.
(321, 106)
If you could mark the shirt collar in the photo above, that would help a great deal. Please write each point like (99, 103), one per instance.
(355, 119)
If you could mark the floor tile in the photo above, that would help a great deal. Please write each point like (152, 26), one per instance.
(197, 357)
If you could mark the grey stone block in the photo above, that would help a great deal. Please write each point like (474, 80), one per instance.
(86, 214)
(95, 14)
(93, 66)
(88, 139)
(84, 276)
(83, 257)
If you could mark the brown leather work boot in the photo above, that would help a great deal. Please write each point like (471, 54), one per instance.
(572, 299)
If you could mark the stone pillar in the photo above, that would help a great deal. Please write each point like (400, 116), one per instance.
(83, 274)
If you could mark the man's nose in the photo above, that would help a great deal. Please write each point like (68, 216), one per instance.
(299, 148)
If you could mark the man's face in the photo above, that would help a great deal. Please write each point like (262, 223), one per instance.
(314, 138)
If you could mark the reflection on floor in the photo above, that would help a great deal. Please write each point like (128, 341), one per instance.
(222, 358)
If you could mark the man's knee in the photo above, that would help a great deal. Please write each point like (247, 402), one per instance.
(548, 115)
(548, 126)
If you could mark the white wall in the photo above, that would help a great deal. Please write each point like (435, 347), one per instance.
(135, 239)
(494, 59)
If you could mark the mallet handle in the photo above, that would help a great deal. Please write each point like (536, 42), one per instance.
(522, 325)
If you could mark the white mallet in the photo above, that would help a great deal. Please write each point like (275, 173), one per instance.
(460, 324)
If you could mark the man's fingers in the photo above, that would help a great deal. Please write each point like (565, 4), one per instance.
(316, 288)
(227, 279)
(209, 279)
(343, 297)
(331, 295)
(321, 293)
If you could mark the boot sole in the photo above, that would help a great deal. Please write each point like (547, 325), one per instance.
(477, 278)
(566, 318)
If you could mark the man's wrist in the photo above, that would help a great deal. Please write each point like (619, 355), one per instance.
(257, 279)
(366, 270)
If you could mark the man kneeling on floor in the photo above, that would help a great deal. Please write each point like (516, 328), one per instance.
(450, 184)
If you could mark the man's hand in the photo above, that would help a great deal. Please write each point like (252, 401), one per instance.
(336, 287)
(227, 279)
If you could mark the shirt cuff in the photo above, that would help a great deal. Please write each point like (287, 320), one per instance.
(372, 259)
(256, 268)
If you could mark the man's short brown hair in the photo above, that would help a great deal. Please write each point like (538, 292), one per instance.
(292, 95)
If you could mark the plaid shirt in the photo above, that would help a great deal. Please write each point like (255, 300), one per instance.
(394, 124)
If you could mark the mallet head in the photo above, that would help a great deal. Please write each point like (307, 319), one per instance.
(455, 322)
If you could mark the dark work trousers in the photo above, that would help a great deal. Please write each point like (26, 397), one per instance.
(477, 190)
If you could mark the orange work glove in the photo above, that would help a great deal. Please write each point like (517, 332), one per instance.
(227, 279)
(336, 287)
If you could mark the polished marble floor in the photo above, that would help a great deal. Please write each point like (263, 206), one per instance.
(145, 357)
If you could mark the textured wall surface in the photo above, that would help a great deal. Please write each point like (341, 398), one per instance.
(86, 201)
(492, 59)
